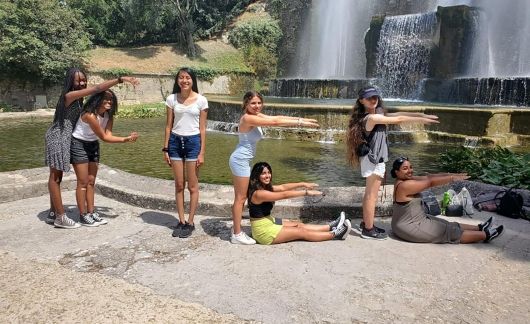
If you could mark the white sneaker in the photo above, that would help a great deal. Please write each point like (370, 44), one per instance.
(63, 221)
(242, 238)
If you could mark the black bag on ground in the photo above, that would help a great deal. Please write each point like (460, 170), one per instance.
(454, 210)
(430, 203)
(510, 203)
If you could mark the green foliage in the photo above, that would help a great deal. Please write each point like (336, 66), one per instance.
(497, 165)
(114, 73)
(262, 61)
(208, 73)
(263, 32)
(213, 15)
(239, 84)
(142, 111)
(6, 108)
(40, 39)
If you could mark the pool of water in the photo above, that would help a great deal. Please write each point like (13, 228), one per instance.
(292, 161)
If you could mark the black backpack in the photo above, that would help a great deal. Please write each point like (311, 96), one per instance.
(509, 203)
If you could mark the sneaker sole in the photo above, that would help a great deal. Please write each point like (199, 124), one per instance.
(102, 222)
(90, 225)
(67, 227)
(241, 243)
(373, 238)
(50, 221)
(356, 228)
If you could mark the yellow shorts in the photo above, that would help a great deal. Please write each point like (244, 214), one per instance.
(265, 230)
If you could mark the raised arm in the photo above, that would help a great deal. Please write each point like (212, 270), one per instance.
(77, 94)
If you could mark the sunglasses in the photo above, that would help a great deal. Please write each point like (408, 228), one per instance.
(402, 159)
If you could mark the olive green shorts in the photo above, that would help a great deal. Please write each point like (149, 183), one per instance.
(265, 230)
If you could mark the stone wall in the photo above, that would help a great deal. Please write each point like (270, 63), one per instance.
(152, 88)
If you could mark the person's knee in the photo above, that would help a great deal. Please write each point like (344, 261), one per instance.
(91, 181)
(179, 186)
(193, 189)
(82, 183)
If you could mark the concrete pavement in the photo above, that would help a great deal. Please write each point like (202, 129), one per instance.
(132, 270)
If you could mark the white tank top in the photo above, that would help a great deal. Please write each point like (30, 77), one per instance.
(83, 131)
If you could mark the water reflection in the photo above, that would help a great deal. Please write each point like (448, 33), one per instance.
(323, 163)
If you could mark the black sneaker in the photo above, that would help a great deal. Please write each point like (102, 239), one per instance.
(493, 233)
(373, 234)
(50, 219)
(378, 229)
(484, 226)
(341, 233)
(337, 222)
(87, 220)
(186, 231)
(178, 229)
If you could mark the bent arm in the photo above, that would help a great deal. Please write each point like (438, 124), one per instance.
(105, 134)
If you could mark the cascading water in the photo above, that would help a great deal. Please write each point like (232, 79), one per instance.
(329, 46)
(403, 53)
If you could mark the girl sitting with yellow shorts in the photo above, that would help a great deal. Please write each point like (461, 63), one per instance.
(269, 230)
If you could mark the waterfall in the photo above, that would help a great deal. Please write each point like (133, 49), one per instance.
(332, 43)
(403, 53)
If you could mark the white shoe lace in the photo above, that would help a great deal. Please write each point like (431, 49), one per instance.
(65, 220)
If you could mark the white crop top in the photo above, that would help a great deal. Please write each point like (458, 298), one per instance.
(83, 131)
(186, 118)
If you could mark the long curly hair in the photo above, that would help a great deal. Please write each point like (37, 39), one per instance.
(93, 102)
(69, 81)
(254, 182)
(354, 133)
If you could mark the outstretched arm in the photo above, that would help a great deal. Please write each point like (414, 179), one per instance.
(418, 184)
(277, 121)
(293, 186)
(72, 96)
(411, 114)
(261, 196)
(375, 119)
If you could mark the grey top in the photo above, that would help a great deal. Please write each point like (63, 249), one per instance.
(378, 143)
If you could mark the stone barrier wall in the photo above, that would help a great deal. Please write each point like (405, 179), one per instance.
(153, 88)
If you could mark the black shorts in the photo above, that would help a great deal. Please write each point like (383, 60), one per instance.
(84, 151)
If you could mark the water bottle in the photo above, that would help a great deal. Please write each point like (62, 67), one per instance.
(445, 201)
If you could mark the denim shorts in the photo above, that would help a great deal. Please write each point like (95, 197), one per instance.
(84, 151)
(184, 147)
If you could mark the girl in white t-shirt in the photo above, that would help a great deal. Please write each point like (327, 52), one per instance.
(95, 122)
(184, 143)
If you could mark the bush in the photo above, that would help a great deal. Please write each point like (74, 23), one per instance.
(142, 111)
(114, 73)
(264, 32)
(261, 61)
(498, 166)
(239, 84)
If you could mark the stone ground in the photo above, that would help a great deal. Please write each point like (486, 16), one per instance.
(132, 271)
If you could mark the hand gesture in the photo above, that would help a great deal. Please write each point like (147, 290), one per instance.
(200, 160)
(132, 137)
(310, 186)
(131, 80)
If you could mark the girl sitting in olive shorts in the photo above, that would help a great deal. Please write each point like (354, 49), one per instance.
(269, 230)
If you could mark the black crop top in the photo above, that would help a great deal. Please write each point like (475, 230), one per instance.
(259, 210)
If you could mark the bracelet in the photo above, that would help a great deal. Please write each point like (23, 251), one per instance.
(120, 80)
(165, 149)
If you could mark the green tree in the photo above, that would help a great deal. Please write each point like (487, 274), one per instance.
(40, 39)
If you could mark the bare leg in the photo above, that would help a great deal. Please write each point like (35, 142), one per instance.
(240, 196)
(373, 183)
(309, 227)
(193, 187)
(289, 233)
(92, 173)
(472, 236)
(54, 187)
(178, 174)
(467, 227)
(81, 173)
